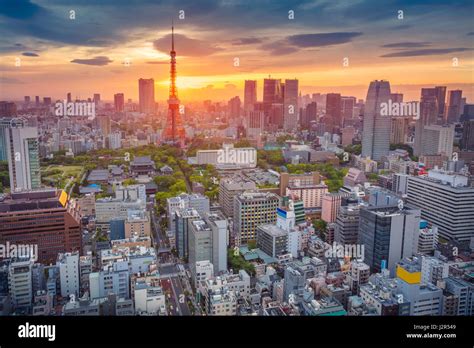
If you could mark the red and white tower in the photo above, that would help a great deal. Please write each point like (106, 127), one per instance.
(174, 131)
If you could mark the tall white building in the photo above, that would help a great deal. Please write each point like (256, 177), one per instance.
(69, 276)
(376, 131)
(22, 149)
(438, 140)
(20, 285)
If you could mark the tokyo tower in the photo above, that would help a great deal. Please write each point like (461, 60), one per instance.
(174, 131)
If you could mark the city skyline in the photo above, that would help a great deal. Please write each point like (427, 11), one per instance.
(113, 54)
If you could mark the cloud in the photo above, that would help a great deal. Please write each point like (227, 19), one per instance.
(401, 27)
(158, 62)
(279, 48)
(19, 9)
(470, 34)
(185, 46)
(407, 44)
(425, 52)
(30, 54)
(98, 61)
(247, 41)
(323, 39)
(9, 80)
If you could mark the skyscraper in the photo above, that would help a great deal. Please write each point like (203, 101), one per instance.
(22, 150)
(290, 102)
(146, 95)
(467, 140)
(119, 102)
(233, 107)
(255, 123)
(454, 106)
(174, 131)
(429, 110)
(441, 97)
(333, 119)
(96, 98)
(272, 92)
(250, 94)
(376, 131)
(310, 113)
(347, 107)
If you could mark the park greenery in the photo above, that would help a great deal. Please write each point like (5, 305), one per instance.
(333, 177)
(237, 262)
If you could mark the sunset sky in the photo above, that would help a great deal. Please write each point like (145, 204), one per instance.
(86, 55)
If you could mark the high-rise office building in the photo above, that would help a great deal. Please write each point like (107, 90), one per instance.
(275, 117)
(20, 284)
(272, 92)
(146, 95)
(208, 242)
(454, 107)
(250, 94)
(290, 104)
(441, 98)
(347, 108)
(272, 240)
(5, 123)
(255, 124)
(347, 224)
(7, 109)
(22, 149)
(229, 188)
(467, 140)
(446, 200)
(220, 240)
(438, 140)
(233, 107)
(96, 98)
(119, 102)
(252, 209)
(388, 235)
(183, 217)
(104, 124)
(333, 117)
(68, 264)
(376, 131)
(309, 114)
(331, 203)
(399, 130)
(429, 111)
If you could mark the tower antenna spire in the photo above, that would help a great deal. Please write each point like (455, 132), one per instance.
(172, 34)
